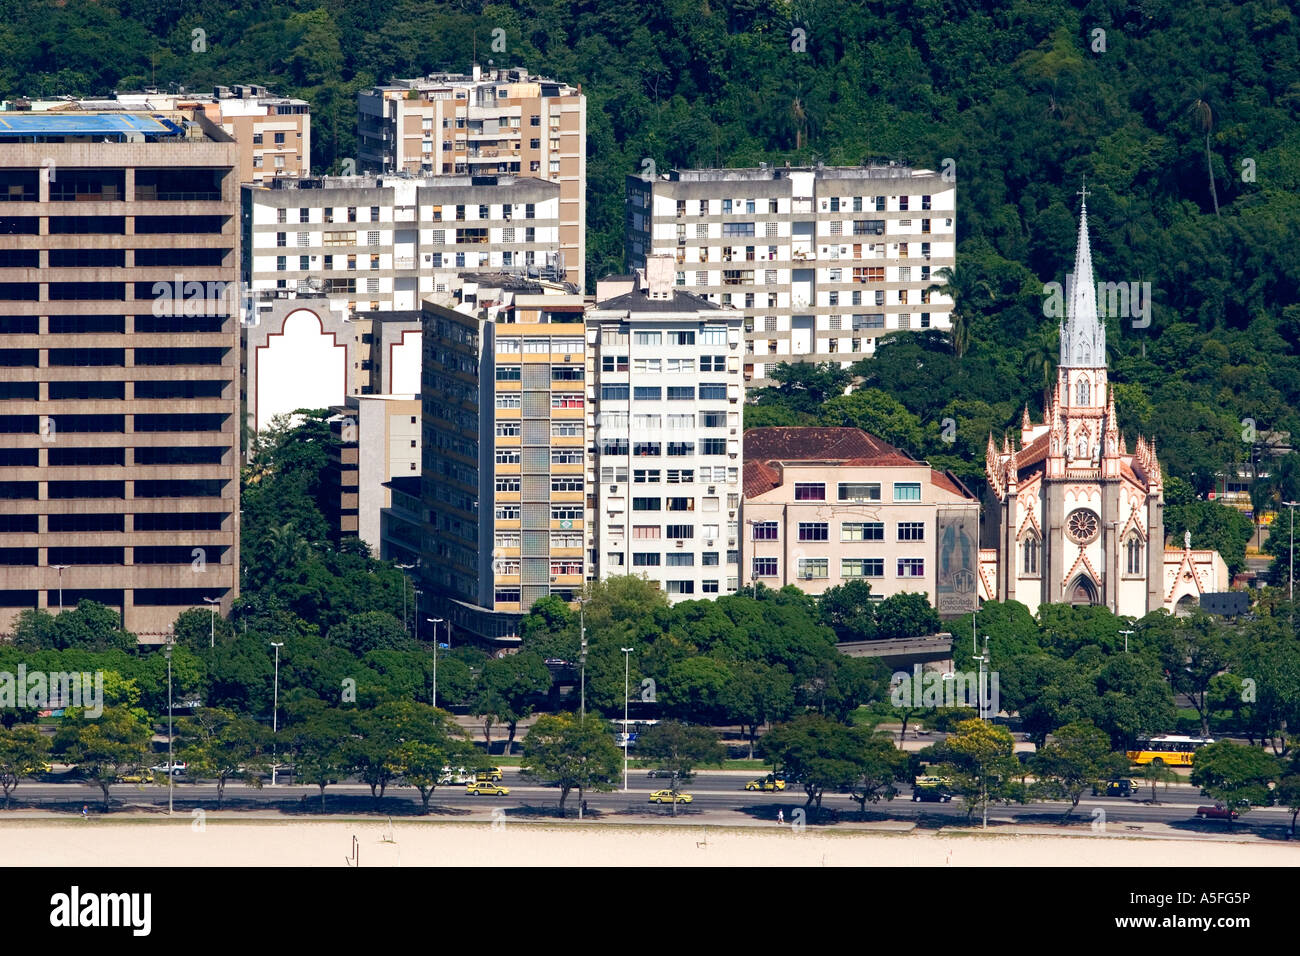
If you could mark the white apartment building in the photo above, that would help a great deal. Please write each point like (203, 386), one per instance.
(664, 438)
(384, 243)
(820, 261)
(494, 122)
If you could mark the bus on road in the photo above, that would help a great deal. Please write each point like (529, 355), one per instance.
(1172, 749)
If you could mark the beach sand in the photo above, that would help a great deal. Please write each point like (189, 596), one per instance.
(224, 842)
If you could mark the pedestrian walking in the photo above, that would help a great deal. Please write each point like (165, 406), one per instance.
(85, 812)
(584, 807)
(780, 817)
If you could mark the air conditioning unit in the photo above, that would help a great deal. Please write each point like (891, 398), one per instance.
(708, 543)
(681, 543)
(554, 579)
(731, 542)
(713, 489)
(731, 514)
(569, 358)
(613, 489)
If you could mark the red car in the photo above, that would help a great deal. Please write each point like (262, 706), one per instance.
(1216, 812)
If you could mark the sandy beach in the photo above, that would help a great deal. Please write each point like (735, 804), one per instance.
(225, 842)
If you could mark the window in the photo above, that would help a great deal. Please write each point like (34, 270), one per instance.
(568, 456)
(507, 595)
(713, 446)
(1031, 552)
(684, 559)
(681, 338)
(645, 531)
(647, 449)
(765, 530)
(614, 393)
(508, 373)
(678, 365)
(911, 531)
(645, 559)
(1083, 392)
(813, 530)
(566, 483)
(714, 391)
(907, 491)
(647, 504)
(680, 504)
(507, 345)
(566, 429)
(647, 393)
(862, 568)
(647, 338)
(681, 587)
(508, 484)
(507, 456)
(613, 363)
(679, 531)
(642, 476)
(507, 429)
(765, 567)
(567, 400)
(651, 366)
(1133, 556)
(566, 512)
(809, 491)
(813, 568)
(862, 531)
(911, 567)
(681, 393)
(507, 512)
(707, 420)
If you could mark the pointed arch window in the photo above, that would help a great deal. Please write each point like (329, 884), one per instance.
(1032, 552)
(1133, 555)
(1083, 392)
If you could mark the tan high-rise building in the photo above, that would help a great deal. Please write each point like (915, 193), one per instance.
(273, 132)
(503, 445)
(119, 334)
(498, 122)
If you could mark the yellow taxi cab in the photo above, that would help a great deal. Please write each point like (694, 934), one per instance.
(481, 787)
(768, 783)
(670, 796)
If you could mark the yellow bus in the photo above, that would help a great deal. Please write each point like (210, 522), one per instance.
(1172, 749)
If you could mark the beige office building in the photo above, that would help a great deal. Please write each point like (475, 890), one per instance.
(820, 260)
(273, 132)
(824, 506)
(119, 337)
(488, 123)
(379, 440)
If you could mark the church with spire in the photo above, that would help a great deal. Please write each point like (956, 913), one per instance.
(1076, 517)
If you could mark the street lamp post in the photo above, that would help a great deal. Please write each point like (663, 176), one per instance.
(275, 713)
(212, 620)
(61, 568)
(627, 738)
(405, 623)
(171, 778)
(1291, 565)
(582, 657)
(1126, 633)
(435, 621)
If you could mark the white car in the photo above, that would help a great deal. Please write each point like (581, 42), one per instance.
(458, 775)
(178, 768)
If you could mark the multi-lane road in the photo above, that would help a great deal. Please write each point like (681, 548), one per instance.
(719, 798)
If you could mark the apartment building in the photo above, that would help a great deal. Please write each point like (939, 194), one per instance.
(119, 337)
(821, 261)
(273, 132)
(370, 243)
(493, 123)
(378, 440)
(824, 506)
(503, 443)
(665, 435)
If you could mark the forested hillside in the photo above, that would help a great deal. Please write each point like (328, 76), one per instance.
(1182, 114)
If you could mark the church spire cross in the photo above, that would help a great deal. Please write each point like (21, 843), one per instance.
(1083, 334)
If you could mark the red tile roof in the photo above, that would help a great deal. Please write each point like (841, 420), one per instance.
(760, 478)
(791, 443)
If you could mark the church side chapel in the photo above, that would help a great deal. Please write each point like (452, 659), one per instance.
(1078, 516)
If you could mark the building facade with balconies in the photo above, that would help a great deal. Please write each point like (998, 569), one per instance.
(493, 123)
(371, 243)
(665, 435)
(821, 261)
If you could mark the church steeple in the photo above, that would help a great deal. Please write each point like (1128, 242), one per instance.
(1083, 333)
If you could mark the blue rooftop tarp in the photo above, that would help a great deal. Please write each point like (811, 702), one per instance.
(111, 125)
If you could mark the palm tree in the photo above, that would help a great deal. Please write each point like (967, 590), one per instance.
(1042, 353)
(801, 122)
(968, 293)
(1155, 773)
(1206, 116)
